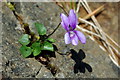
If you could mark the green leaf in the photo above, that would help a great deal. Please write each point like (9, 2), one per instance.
(40, 28)
(35, 44)
(24, 40)
(51, 40)
(36, 52)
(36, 48)
(47, 46)
(25, 51)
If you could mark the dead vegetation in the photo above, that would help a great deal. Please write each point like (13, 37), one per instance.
(92, 28)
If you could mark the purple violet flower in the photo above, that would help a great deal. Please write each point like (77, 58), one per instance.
(69, 24)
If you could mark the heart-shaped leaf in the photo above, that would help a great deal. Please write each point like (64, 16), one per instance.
(25, 51)
(40, 28)
(24, 40)
(36, 52)
(47, 46)
(36, 48)
(51, 40)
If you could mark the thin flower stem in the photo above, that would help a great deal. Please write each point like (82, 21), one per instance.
(54, 30)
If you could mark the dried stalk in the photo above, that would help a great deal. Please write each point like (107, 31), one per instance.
(78, 7)
(94, 12)
(112, 47)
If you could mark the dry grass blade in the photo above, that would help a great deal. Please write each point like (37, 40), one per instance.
(95, 12)
(78, 7)
(108, 44)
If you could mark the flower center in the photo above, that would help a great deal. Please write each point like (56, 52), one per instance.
(72, 33)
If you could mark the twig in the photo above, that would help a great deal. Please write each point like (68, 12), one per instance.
(94, 33)
(85, 30)
(87, 8)
(94, 12)
(78, 7)
(113, 52)
(62, 7)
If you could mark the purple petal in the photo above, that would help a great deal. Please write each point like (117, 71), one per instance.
(65, 21)
(74, 38)
(67, 38)
(80, 36)
(73, 19)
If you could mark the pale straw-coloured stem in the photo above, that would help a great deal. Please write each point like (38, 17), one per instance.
(78, 7)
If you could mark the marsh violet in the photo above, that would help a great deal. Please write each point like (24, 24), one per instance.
(69, 23)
